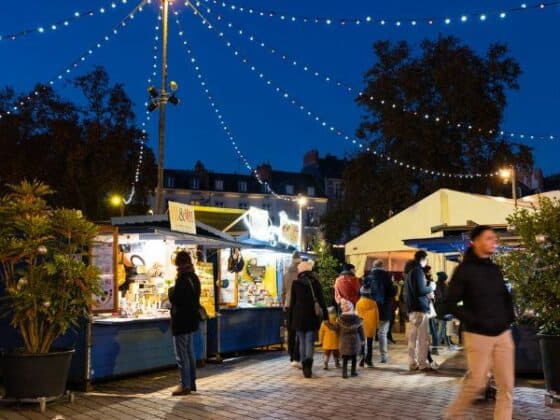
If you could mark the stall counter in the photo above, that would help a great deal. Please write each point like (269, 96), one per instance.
(243, 329)
(124, 346)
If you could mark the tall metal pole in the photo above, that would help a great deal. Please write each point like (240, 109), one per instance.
(514, 185)
(163, 102)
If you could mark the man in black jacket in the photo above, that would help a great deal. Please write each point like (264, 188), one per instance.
(486, 313)
(417, 294)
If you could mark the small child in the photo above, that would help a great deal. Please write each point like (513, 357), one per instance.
(350, 336)
(329, 340)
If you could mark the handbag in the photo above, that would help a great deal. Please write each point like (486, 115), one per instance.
(432, 313)
(316, 306)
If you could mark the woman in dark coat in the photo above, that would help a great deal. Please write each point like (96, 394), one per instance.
(306, 289)
(185, 319)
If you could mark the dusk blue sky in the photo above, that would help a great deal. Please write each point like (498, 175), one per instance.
(268, 128)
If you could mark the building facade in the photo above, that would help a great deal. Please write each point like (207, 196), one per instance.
(214, 189)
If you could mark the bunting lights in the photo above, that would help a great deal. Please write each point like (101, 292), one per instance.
(82, 58)
(284, 94)
(62, 23)
(147, 116)
(349, 89)
(399, 22)
(219, 116)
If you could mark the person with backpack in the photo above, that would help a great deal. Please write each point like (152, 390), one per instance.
(306, 313)
(417, 295)
(383, 292)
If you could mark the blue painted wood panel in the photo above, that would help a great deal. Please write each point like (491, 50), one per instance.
(126, 348)
(245, 329)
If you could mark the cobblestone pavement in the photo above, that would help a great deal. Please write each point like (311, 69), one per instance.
(264, 386)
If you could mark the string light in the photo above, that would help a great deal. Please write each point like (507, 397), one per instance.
(349, 89)
(81, 59)
(147, 114)
(326, 124)
(500, 14)
(219, 116)
(60, 23)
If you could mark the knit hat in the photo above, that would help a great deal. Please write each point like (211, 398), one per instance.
(346, 306)
(305, 266)
(441, 275)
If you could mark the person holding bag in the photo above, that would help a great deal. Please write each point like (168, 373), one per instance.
(186, 315)
(306, 313)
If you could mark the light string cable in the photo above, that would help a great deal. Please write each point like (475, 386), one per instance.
(323, 122)
(218, 113)
(497, 14)
(80, 59)
(147, 116)
(351, 90)
(62, 23)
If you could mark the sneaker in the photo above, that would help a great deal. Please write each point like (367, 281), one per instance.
(435, 351)
(296, 364)
(369, 365)
(434, 365)
(384, 360)
(180, 390)
(354, 374)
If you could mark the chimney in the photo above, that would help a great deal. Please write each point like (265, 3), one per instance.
(311, 158)
(265, 172)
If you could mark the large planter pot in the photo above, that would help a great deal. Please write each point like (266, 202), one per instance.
(30, 376)
(527, 350)
(550, 349)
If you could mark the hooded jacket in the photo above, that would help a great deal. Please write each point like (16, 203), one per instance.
(487, 304)
(350, 334)
(289, 276)
(301, 313)
(416, 290)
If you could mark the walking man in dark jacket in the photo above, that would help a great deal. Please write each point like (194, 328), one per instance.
(487, 313)
(383, 292)
(417, 294)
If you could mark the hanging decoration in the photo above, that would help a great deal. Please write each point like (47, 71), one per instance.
(323, 122)
(81, 59)
(219, 116)
(147, 116)
(399, 22)
(62, 23)
(349, 89)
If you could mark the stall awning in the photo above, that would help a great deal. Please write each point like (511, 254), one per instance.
(221, 218)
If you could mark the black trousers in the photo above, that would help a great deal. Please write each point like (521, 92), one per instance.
(345, 359)
(367, 350)
(293, 346)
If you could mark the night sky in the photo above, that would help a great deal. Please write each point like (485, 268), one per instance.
(266, 126)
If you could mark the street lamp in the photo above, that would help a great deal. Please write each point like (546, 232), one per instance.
(302, 202)
(118, 201)
(508, 174)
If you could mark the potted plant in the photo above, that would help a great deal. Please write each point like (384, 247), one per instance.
(48, 286)
(534, 270)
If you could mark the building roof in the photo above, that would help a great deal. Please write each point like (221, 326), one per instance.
(279, 180)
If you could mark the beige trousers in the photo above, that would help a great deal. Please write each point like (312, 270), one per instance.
(418, 339)
(485, 354)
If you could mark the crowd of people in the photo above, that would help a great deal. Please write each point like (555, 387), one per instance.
(365, 309)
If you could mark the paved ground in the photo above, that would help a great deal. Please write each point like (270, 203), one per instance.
(263, 385)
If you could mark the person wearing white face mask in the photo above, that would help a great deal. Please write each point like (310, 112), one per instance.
(417, 295)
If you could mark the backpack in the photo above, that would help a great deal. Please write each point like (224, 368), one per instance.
(376, 287)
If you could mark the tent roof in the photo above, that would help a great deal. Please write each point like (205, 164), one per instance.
(443, 208)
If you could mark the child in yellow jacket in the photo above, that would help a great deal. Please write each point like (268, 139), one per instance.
(329, 339)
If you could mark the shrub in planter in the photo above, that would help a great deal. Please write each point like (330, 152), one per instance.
(48, 284)
(534, 270)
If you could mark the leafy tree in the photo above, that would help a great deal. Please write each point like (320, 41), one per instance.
(534, 269)
(47, 283)
(88, 150)
(447, 79)
(326, 267)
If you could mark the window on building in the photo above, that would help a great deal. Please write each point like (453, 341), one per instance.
(195, 183)
(243, 186)
(169, 182)
(243, 205)
(219, 185)
(290, 189)
(311, 191)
